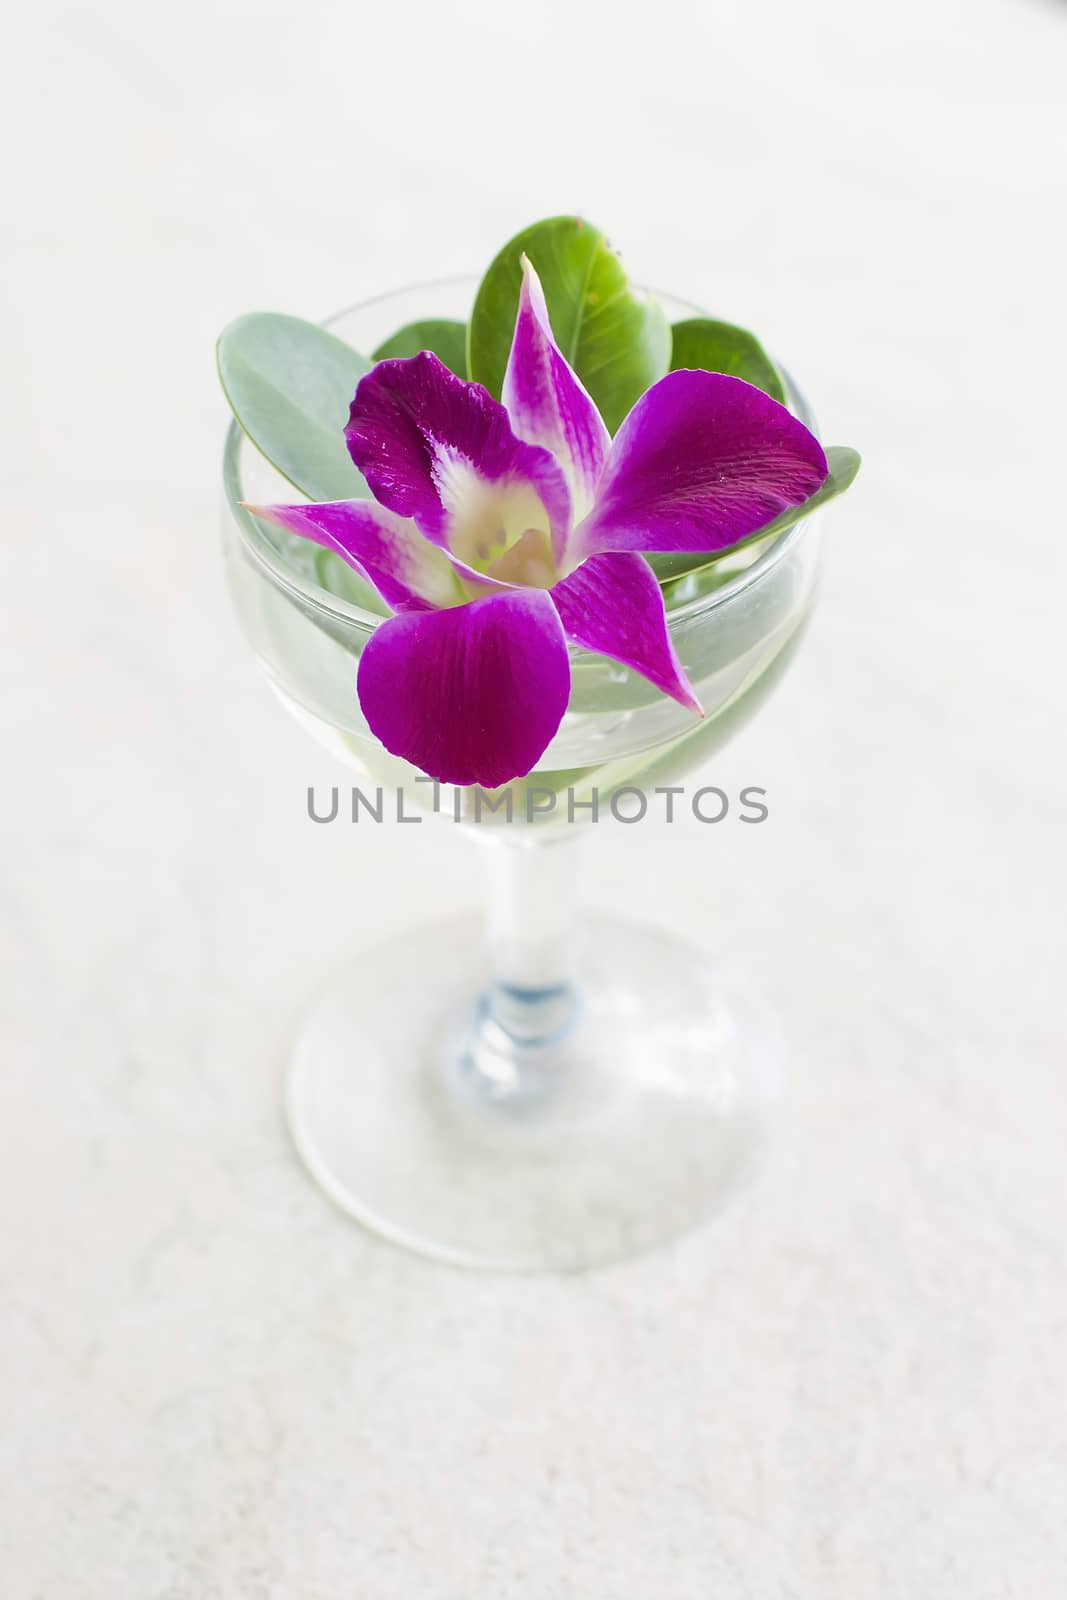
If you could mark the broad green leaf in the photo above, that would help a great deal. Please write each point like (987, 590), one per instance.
(709, 346)
(336, 576)
(843, 464)
(447, 340)
(616, 338)
(290, 385)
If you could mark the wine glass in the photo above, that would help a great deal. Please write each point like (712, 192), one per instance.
(530, 1090)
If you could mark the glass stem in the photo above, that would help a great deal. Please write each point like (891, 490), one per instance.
(530, 897)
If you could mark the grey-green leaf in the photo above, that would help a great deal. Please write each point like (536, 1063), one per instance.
(447, 340)
(616, 338)
(843, 464)
(709, 346)
(290, 385)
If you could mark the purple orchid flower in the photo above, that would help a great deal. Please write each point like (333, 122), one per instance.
(501, 531)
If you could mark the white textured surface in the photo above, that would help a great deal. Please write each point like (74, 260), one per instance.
(853, 1387)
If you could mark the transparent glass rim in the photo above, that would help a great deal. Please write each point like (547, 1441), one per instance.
(313, 596)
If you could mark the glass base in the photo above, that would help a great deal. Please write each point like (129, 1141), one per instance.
(533, 1130)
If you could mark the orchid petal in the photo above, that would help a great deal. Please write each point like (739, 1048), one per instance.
(613, 604)
(442, 451)
(546, 400)
(702, 461)
(469, 695)
(408, 572)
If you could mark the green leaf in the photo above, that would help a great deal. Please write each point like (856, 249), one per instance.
(617, 339)
(710, 346)
(290, 385)
(447, 340)
(843, 464)
(337, 577)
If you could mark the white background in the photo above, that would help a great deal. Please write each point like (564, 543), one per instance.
(853, 1386)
